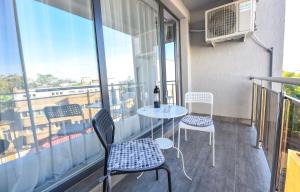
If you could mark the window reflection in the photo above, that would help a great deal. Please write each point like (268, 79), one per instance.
(51, 65)
(132, 58)
(13, 144)
(171, 33)
(60, 60)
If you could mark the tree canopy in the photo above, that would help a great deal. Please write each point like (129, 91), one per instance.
(292, 90)
(10, 82)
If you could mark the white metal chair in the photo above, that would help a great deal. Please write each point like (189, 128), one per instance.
(196, 122)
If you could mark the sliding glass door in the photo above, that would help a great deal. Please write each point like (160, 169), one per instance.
(171, 57)
(54, 78)
(15, 141)
(130, 30)
(50, 62)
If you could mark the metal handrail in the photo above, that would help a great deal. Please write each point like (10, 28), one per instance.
(282, 80)
(293, 99)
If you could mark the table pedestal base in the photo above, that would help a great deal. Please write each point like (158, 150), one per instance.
(164, 143)
(165, 111)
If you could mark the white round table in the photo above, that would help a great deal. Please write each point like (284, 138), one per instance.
(166, 111)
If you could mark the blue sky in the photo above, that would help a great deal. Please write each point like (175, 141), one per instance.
(56, 42)
(9, 57)
(52, 39)
(61, 43)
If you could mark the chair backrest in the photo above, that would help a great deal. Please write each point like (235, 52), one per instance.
(200, 97)
(69, 110)
(105, 129)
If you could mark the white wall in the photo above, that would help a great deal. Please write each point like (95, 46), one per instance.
(225, 69)
(185, 55)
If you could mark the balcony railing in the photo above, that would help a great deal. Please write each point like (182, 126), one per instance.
(276, 117)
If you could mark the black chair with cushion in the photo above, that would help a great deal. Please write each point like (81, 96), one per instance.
(133, 156)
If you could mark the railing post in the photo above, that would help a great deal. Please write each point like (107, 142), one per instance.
(89, 103)
(258, 111)
(261, 118)
(276, 149)
(254, 101)
(281, 170)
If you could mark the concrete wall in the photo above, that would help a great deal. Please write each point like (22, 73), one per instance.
(225, 69)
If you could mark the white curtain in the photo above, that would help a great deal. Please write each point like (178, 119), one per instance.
(137, 20)
(34, 169)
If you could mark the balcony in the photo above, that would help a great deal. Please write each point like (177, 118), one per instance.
(249, 157)
(104, 54)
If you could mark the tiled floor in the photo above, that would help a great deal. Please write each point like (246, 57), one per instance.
(239, 166)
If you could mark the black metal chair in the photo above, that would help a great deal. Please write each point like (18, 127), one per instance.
(64, 111)
(134, 156)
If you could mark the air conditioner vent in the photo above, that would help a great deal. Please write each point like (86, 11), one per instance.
(222, 21)
(229, 21)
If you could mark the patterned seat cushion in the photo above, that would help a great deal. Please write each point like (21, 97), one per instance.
(135, 155)
(198, 121)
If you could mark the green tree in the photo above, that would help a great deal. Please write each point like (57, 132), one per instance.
(48, 80)
(7, 85)
(10, 82)
(291, 90)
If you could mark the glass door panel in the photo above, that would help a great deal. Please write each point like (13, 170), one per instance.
(17, 142)
(59, 50)
(172, 62)
(130, 29)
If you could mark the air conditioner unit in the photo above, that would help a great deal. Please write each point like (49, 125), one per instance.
(231, 21)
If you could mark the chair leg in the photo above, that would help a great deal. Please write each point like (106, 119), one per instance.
(156, 174)
(178, 142)
(185, 135)
(209, 138)
(213, 148)
(104, 186)
(166, 168)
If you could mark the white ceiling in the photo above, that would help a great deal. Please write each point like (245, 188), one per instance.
(193, 5)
